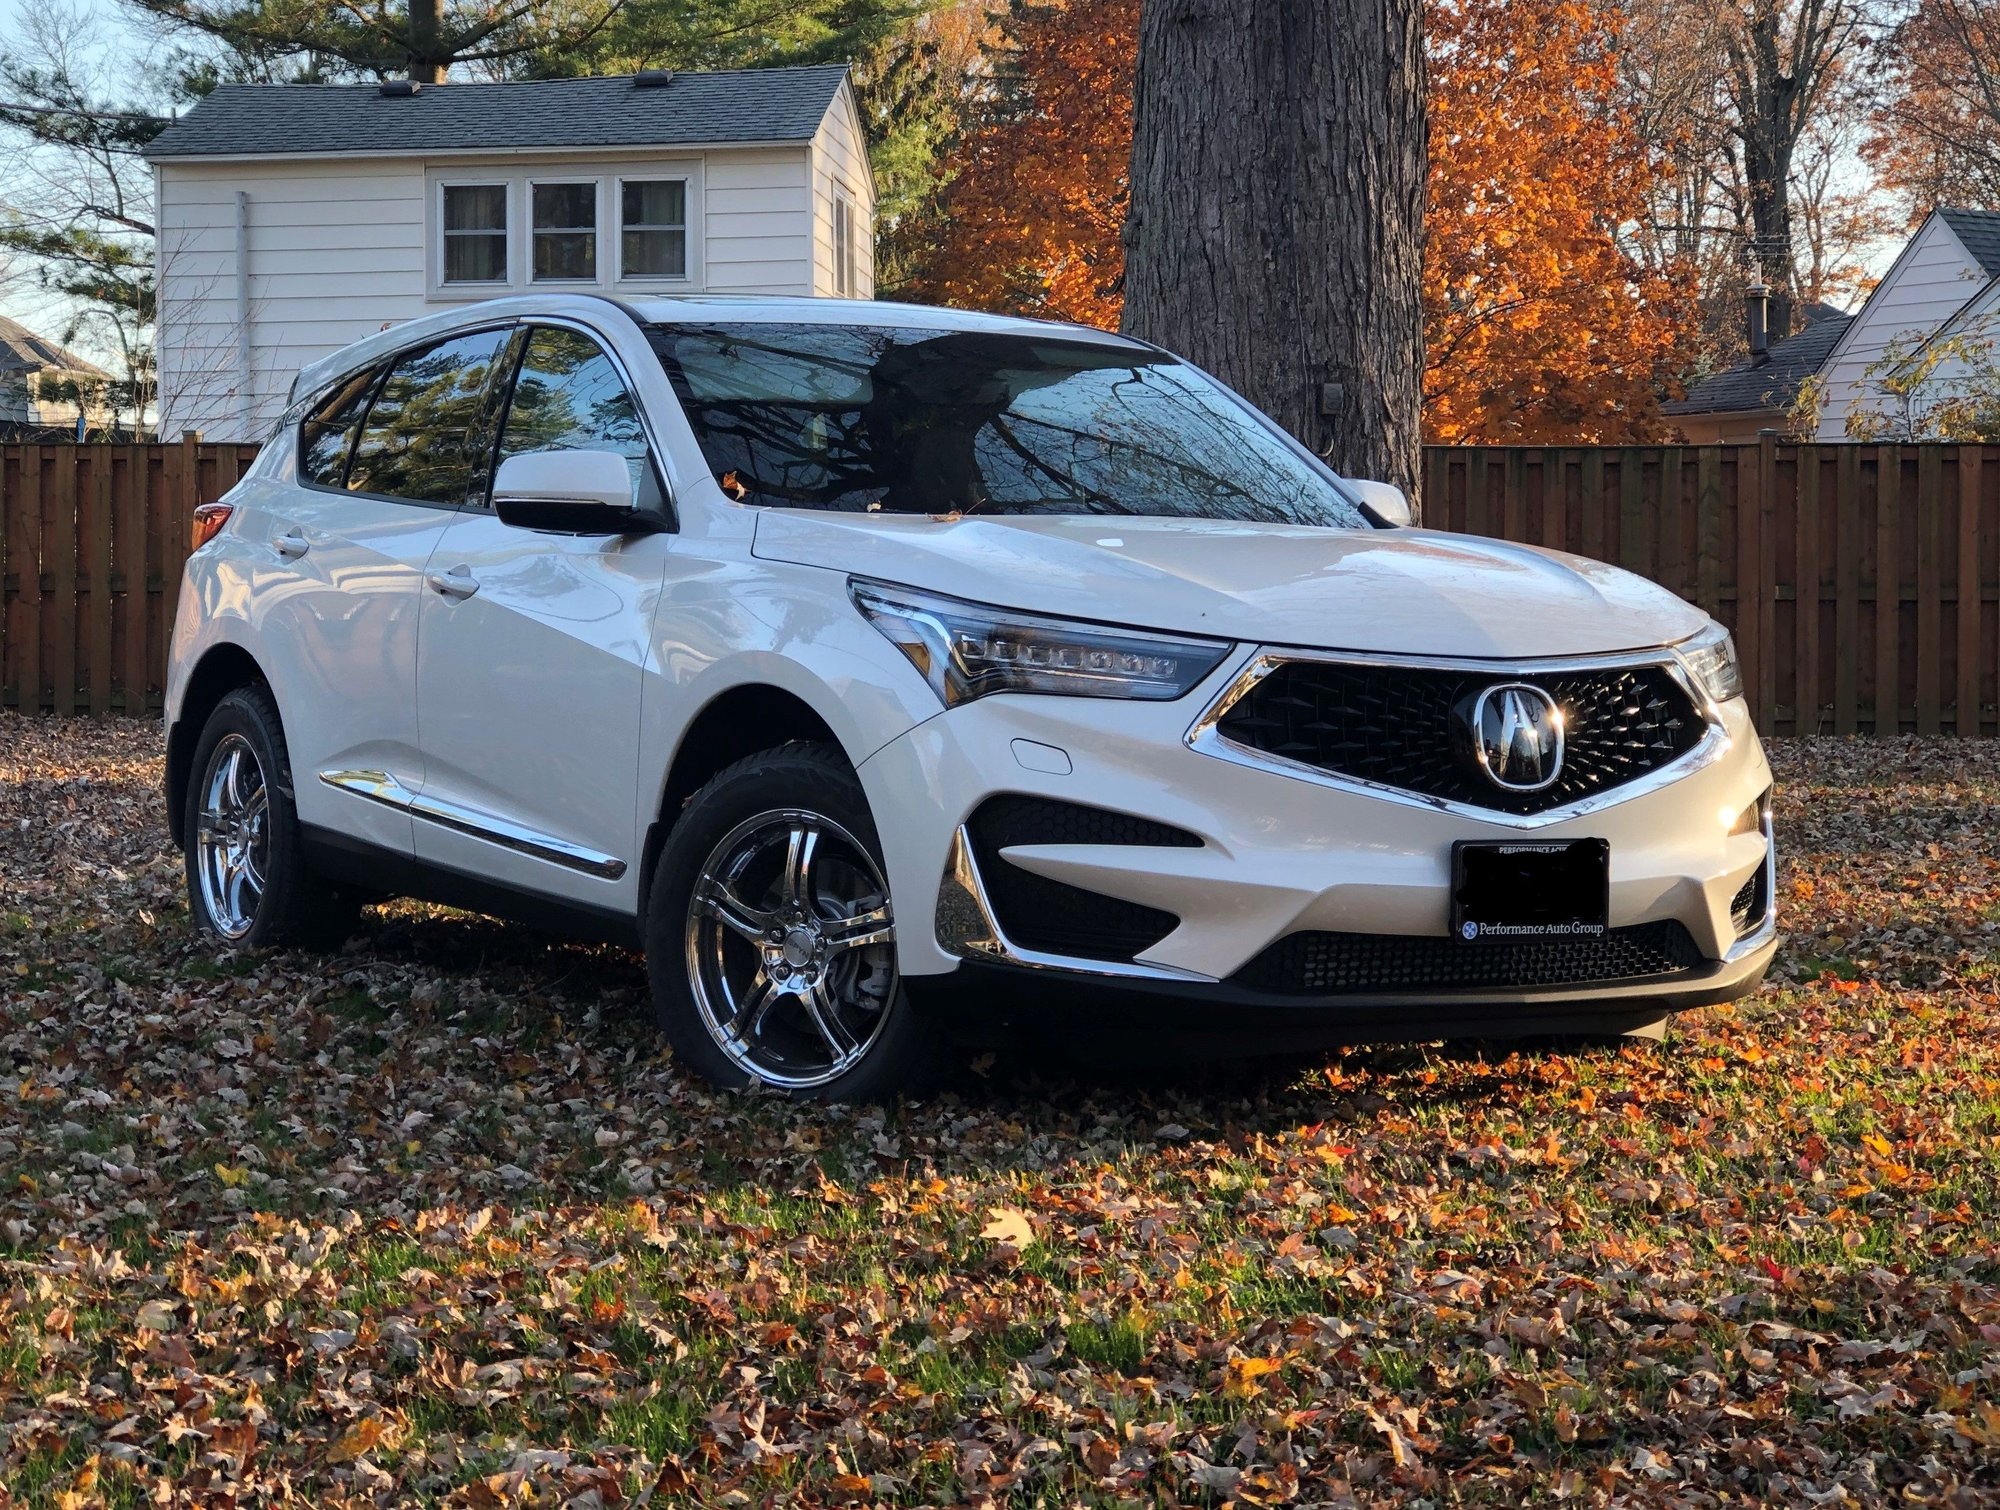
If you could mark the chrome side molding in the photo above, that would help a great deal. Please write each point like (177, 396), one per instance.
(380, 786)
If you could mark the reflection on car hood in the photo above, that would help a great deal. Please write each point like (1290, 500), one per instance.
(1410, 592)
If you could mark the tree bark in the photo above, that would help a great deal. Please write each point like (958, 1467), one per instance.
(1276, 230)
(428, 60)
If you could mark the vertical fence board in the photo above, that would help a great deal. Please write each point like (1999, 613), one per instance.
(1888, 591)
(1930, 660)
(27, 560)
(134, 566)
(97, 644)
(1966, 722)
(1847, 593)
(1806, 599)
(59, 521)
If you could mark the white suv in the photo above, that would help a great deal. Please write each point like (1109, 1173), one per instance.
(855, 658)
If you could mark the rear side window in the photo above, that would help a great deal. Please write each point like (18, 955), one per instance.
(328, 432)
(422, 439)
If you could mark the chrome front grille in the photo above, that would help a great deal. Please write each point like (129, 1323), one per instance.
(1406, 726)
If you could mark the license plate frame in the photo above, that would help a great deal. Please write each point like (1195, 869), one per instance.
(1511, 890)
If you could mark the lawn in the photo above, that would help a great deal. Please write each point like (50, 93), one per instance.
(434, 1220)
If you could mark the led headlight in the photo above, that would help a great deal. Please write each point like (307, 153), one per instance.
(1710, 658)
(966, 650)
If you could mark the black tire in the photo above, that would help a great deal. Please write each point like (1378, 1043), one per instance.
(812, 783)
(293, 906)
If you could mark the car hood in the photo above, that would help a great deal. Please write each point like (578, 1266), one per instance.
(1408, 592)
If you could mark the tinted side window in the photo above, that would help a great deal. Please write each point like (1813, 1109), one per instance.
(421, 439)
(569, 397)
(328, 432)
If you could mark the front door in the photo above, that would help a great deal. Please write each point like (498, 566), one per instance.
(352, 533)
(532, 649)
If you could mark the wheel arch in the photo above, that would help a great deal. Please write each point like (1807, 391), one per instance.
(220, 671)
(744, 719)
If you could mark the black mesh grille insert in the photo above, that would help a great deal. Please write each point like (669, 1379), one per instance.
(1402, 726)
(1747, 908)
(1049, 916)
(1352, 964)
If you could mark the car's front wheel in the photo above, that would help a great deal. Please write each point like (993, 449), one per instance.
(771, 935)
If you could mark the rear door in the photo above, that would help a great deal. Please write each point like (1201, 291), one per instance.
(532, 653)
(384, 462)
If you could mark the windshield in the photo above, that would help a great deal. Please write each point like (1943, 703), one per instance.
(906, 420)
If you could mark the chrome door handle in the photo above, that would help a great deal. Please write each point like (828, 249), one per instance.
(291, 545)
(456, 584)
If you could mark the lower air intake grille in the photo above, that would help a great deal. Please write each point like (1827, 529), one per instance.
(1051, 917)
(1354, 964)
(1747, 908)
(1407, 727)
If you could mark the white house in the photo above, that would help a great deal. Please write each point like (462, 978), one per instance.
(293, 219)
(1945, 281)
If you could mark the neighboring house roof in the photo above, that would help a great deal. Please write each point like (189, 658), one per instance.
(1775, 383)
(21, 350)
(287, 120)
(1978, 231)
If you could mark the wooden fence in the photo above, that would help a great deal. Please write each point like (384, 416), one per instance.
(1863, 582)
(92, 538)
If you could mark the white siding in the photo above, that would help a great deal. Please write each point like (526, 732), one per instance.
(757, 232)
(840, 165)
(1930, 282)
(338, 249)
(335, 252)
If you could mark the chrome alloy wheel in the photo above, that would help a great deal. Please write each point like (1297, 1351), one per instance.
(233, 836)
(791, 948)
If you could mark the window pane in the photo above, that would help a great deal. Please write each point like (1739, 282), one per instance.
(655, 202)
(654, 254)
(327, 434)
(421, 440)
(475, 258)
(565, 254)
(475, 207)
(569, 397)
(920, 421)
(565, 207)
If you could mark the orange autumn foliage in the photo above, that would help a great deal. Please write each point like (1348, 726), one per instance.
(1035, 207)
(1540, 325)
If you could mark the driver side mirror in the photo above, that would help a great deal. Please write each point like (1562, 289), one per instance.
(569, 493)
(1384, 500)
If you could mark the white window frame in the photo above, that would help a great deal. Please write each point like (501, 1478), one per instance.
(591, 181)
(845, 265)
(467, 288)
(655, 280)
(518, 176)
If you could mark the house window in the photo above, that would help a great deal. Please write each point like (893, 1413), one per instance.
(475, 233)
(844, 281)
(652, 228)
(564, 220)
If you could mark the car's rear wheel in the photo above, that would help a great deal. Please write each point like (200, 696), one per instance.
(248, 882)
(771, 936)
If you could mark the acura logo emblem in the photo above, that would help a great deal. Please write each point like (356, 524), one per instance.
(1517, 736)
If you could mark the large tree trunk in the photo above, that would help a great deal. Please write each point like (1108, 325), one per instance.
(1276, 229)
(428, 57)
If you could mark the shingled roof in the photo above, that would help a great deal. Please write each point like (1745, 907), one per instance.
(693, 109)
(1771, 385)
(1979, 232)
(21, 350)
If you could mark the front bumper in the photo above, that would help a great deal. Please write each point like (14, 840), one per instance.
(1282, 855)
